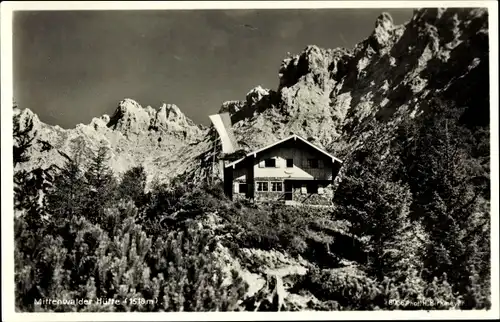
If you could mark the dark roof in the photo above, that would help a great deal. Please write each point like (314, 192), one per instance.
(291, 137)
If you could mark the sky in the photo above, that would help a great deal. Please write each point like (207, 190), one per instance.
(71, 66)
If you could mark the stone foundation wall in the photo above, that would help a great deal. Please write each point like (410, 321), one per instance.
(312, 198)
(269, 196)
(279, 196)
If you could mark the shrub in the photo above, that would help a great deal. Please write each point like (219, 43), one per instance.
(352, 289)
(71, 253)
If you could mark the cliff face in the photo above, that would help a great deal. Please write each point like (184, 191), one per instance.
(326, 95)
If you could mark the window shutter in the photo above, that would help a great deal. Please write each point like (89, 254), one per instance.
(236, 187)
(277, 162)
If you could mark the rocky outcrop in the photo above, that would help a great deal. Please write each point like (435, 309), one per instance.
(132, 119)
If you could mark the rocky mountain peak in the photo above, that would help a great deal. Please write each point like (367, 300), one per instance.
(24, 116)
(170, 118)
(100, 122)
(256, 94)
(231, 107)
(382, 35)
(384, 21)
(172, 113)
(131, 118)
(129, 105)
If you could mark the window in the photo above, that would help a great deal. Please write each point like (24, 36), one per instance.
(320, 190)
(262, 186)
(312, 163)
(321, 165)
(289, 163)
(303, 189)
(312, 187)
(243, 188)
(270, 163)
(276, 186)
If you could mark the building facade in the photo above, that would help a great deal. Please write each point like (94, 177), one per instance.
(293, 171)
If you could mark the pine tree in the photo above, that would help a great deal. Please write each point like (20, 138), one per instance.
(101, 185)
(133, 185)
(377, 207)
(23, 139)
(445, 171)
(67, 197)
(378, 210)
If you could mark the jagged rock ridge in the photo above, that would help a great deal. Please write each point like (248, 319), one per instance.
(330, 93)
(134, 135)
(325, 95)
